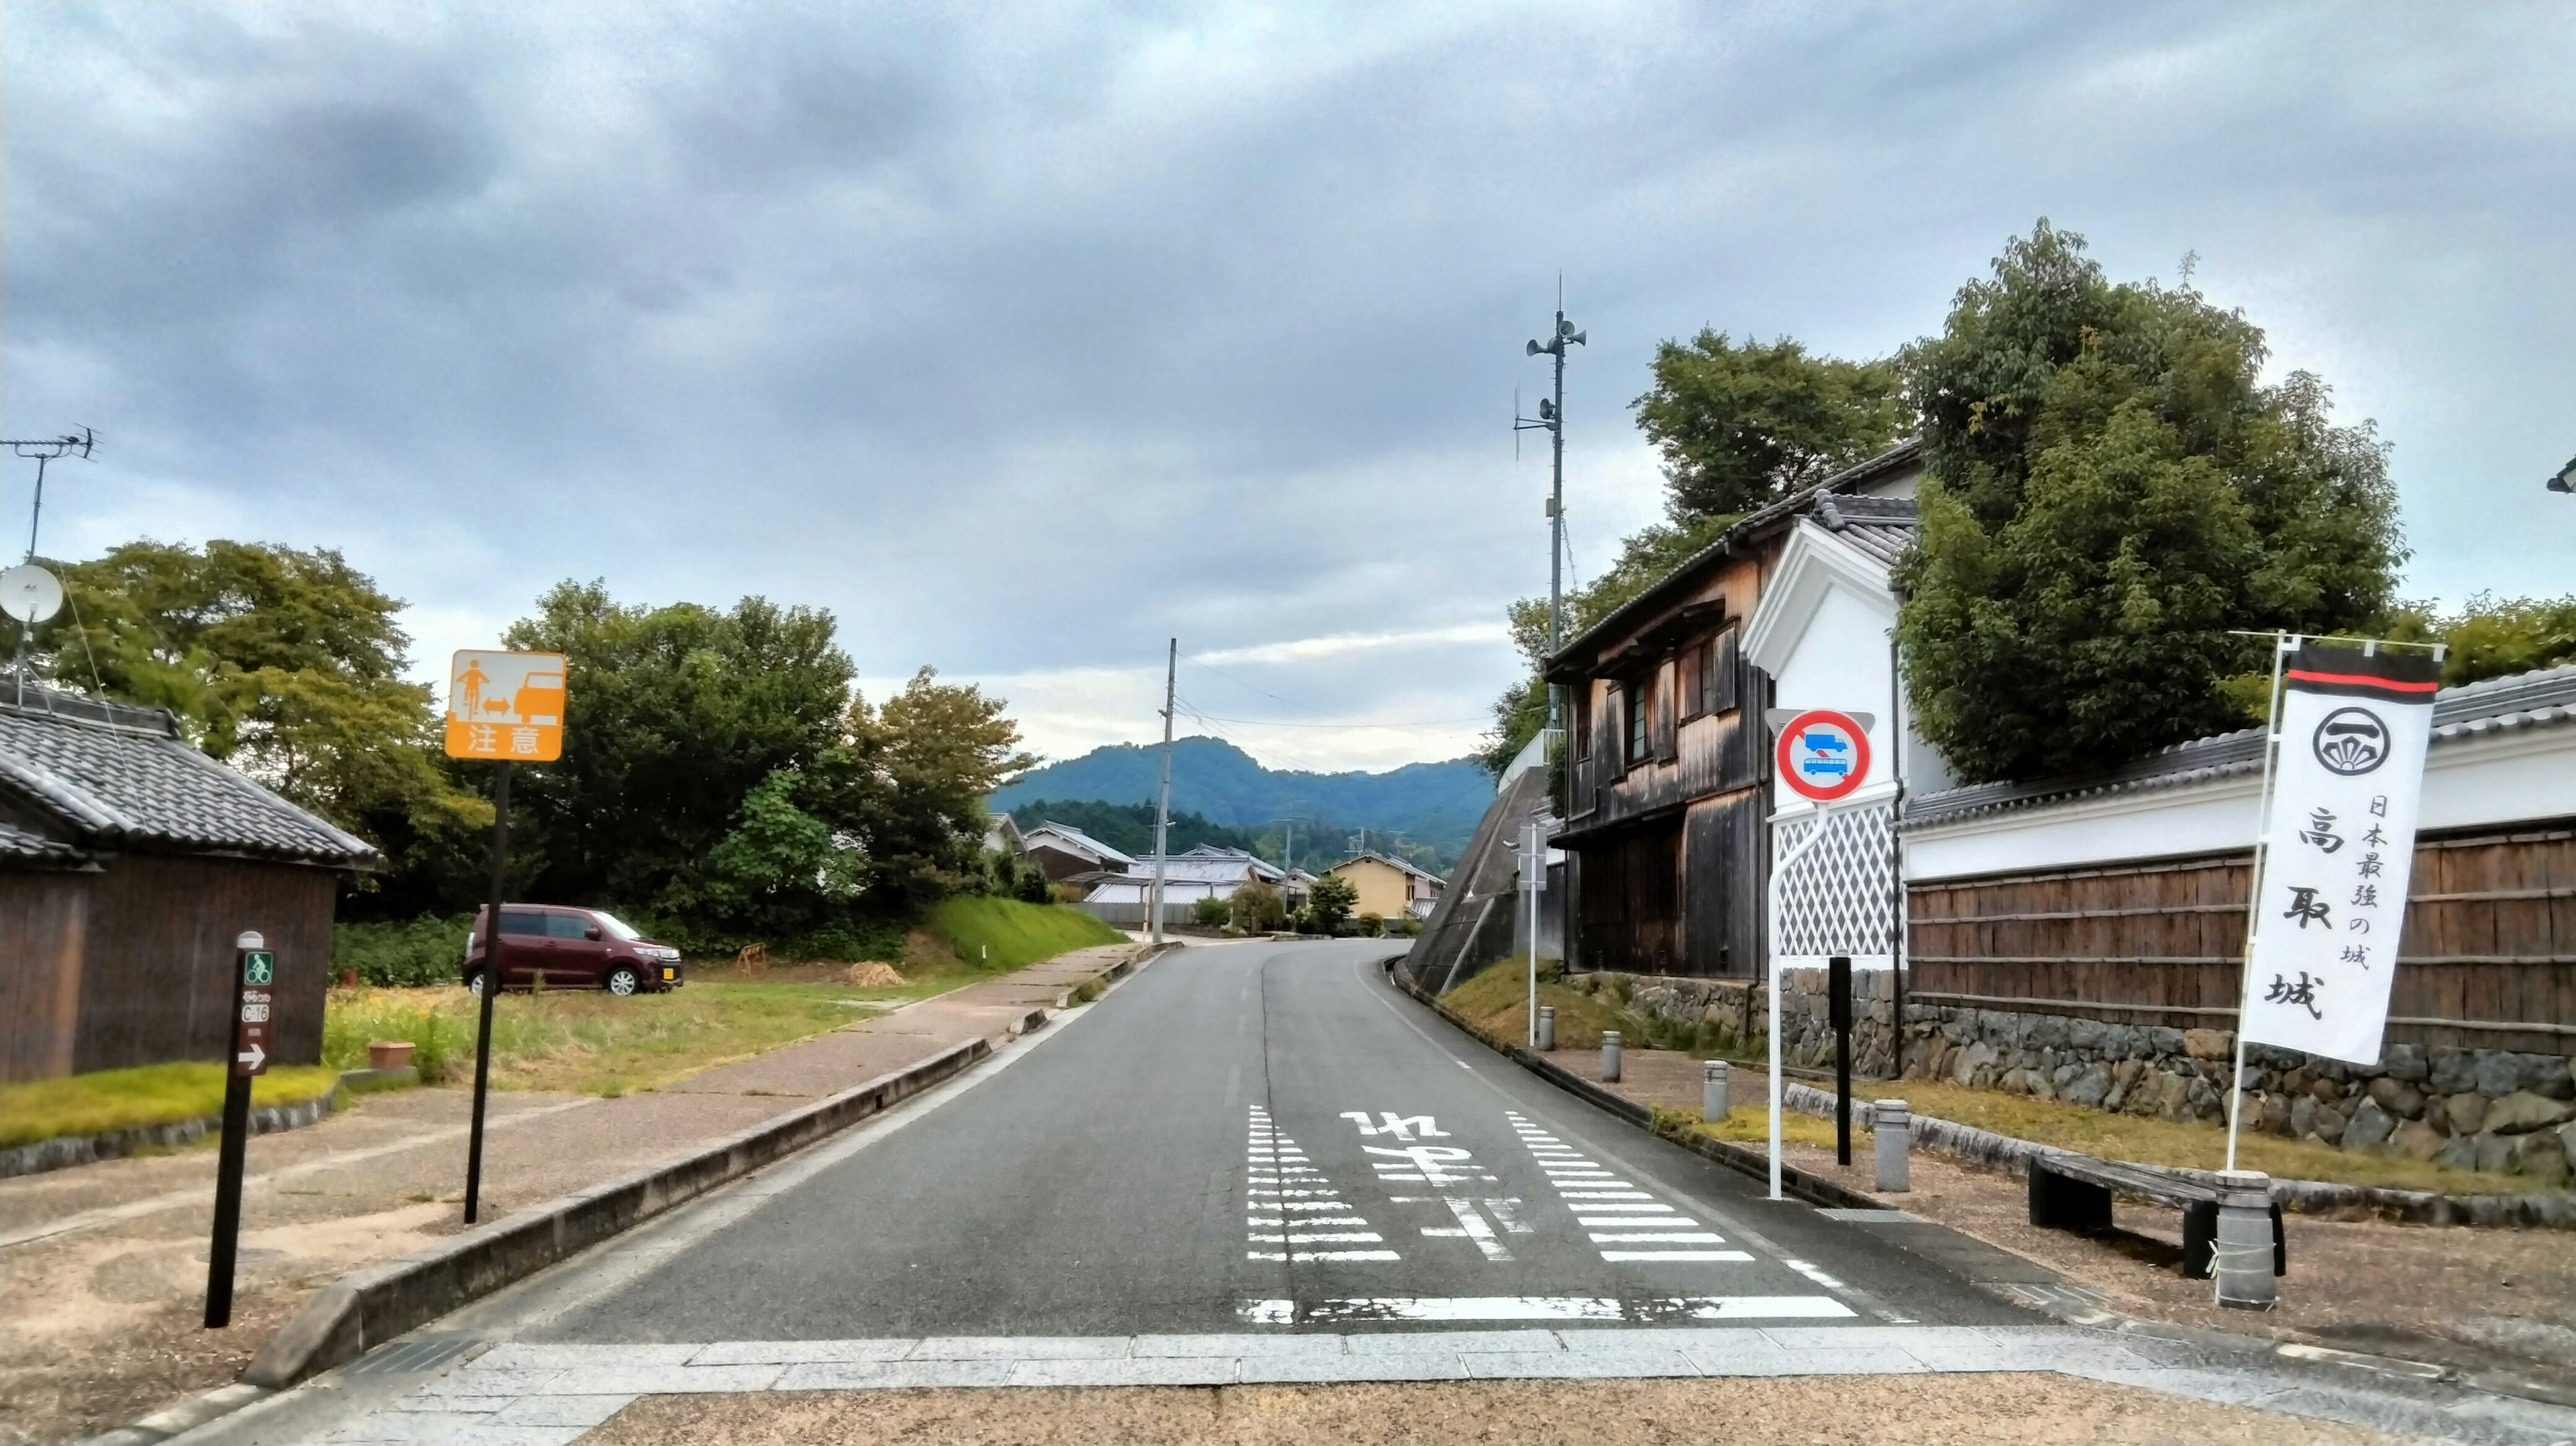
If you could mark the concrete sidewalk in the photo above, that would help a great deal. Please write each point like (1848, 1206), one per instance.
(102, 1267)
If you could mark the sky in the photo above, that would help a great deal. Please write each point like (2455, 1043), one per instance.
(1026, 338)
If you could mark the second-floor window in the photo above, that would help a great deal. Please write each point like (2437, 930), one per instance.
(1583, 723)
(1638, 700)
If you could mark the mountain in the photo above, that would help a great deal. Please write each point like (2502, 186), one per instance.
(1433, 804)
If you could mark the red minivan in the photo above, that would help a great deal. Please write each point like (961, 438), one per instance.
(560, 947)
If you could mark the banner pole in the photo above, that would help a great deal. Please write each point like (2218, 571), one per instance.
(2281, 644)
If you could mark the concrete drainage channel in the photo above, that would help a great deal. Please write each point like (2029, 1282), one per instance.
(359, 1321)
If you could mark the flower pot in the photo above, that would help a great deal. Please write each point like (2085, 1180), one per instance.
(389, 1053)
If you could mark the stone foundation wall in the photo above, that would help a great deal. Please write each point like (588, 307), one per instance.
(2474, 1109)
(1733, 1016)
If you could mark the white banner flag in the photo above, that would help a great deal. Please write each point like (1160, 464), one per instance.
(2339, 841)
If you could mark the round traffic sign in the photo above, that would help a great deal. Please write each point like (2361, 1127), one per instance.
(1823, 755)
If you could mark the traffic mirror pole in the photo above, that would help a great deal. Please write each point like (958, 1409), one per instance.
(254, 975)
(491, 991)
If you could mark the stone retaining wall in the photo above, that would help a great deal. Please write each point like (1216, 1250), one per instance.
(2473, 1109)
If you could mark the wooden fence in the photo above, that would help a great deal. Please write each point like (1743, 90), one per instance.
(2488, 959)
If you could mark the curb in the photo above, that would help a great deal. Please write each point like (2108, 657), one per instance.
(1794, 1181)
(64, 1152)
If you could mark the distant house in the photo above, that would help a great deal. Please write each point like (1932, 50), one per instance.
(1388, 886)
(1063, 851)
(1203, 872)
(129, 861)
(1002, 836)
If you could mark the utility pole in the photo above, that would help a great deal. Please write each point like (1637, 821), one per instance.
(1163, 810)
(1551, 415)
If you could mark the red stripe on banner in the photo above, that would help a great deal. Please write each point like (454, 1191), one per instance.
(2363, 680)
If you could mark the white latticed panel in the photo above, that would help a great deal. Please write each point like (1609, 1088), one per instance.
(1837, 899)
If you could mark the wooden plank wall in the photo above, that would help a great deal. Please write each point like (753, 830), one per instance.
(157, 981)
(2488, 959)
(1630, 900)
(41, 917)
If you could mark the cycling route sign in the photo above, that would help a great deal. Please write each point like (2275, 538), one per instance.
(506, 706)
(1823, 755)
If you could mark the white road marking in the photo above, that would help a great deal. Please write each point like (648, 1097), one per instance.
(1814, 1274)
(1275, 1172)
(1470, 1226)
(1736, 1255)
(1638, 1222)
(1545, 1308)
(1687, 1237)
(1603, 1202)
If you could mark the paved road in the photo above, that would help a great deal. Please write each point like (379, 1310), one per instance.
(1265, 1134)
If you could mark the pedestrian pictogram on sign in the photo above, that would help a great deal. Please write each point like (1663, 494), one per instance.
(1823, 755)
(506, 706)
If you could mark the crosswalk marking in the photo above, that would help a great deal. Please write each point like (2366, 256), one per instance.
(1619, 1215)
(1278, 1178)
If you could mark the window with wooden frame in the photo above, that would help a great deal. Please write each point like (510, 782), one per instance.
(1583, 723)
(1717, 672)
(1690, 675)
(1637, 698)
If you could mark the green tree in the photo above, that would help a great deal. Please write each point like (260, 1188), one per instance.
(910, 785)
(780, 871)
(1257, 908)
(1329, 903)
(2112, 490)
(1743, 424)
(289, 665)
(676, 715)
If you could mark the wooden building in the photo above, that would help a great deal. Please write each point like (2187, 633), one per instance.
(129, 862)
(1667, 768)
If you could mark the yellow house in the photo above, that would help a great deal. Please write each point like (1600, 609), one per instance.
(1387, 887)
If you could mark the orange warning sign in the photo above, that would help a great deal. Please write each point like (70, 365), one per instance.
(508, 706)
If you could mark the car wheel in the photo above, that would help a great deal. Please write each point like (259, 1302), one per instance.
(474, 983)
(622, 981)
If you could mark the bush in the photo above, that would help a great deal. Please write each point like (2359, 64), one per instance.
(1257, 908)
(1211, 912)
(1407, 925)
(439, 1041)
(1328, 904)
(427, 950)
(1372, 926)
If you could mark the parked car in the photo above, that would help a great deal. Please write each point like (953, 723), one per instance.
(561, 947)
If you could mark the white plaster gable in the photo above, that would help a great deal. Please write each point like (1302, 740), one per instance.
(1812, 566)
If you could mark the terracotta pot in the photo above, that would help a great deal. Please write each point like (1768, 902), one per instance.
(389, 1053)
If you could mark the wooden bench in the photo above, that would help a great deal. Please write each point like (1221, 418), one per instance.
(2073, 1192)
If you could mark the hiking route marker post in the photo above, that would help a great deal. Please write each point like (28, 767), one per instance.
(1823, 757)
(507, 707)
(254, 991)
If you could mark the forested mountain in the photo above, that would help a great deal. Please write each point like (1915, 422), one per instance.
(1433, 806)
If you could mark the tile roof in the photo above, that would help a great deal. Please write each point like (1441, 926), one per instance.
(2542, 699)
(1078, 838)
(17, 843)
(1880, 528)
(1840, 488)
(114, 776)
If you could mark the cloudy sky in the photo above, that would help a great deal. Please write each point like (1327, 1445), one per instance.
(1024, 338)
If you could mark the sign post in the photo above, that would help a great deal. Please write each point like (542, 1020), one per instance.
(2350, 725)
(507, 707)
(1533, 875)
(1823, 757)
(254, 994)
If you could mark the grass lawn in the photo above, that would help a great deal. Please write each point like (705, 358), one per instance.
(999, 934)
(152, 1094)
(1497, 999)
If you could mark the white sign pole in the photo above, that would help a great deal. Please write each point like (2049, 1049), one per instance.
(2281, 645)
(1533, 862)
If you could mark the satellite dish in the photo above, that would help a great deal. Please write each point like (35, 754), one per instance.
(29, 593)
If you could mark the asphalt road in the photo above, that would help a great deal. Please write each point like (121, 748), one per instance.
(1264, 1135)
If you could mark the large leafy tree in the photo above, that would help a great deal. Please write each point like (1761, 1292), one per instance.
(1740, 424)
(676, 715)
(2113, 490)
(289, 665)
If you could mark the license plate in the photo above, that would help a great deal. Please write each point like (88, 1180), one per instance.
(670, 973)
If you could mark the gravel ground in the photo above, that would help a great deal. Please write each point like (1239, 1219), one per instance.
(2474, 1299)
(2008, 1410)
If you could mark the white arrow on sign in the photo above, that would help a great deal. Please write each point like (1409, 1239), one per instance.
(253, 1056)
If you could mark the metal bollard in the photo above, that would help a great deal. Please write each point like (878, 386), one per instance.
(1713, 1101)
(1895, 1131)
(1546, 1027)
(1609, 1056)
(2242, 1257)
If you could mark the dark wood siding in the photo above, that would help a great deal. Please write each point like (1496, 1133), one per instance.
(1631, 900)
(1722, 889)
(157, 980)
(2488, 958)
(41, 917)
